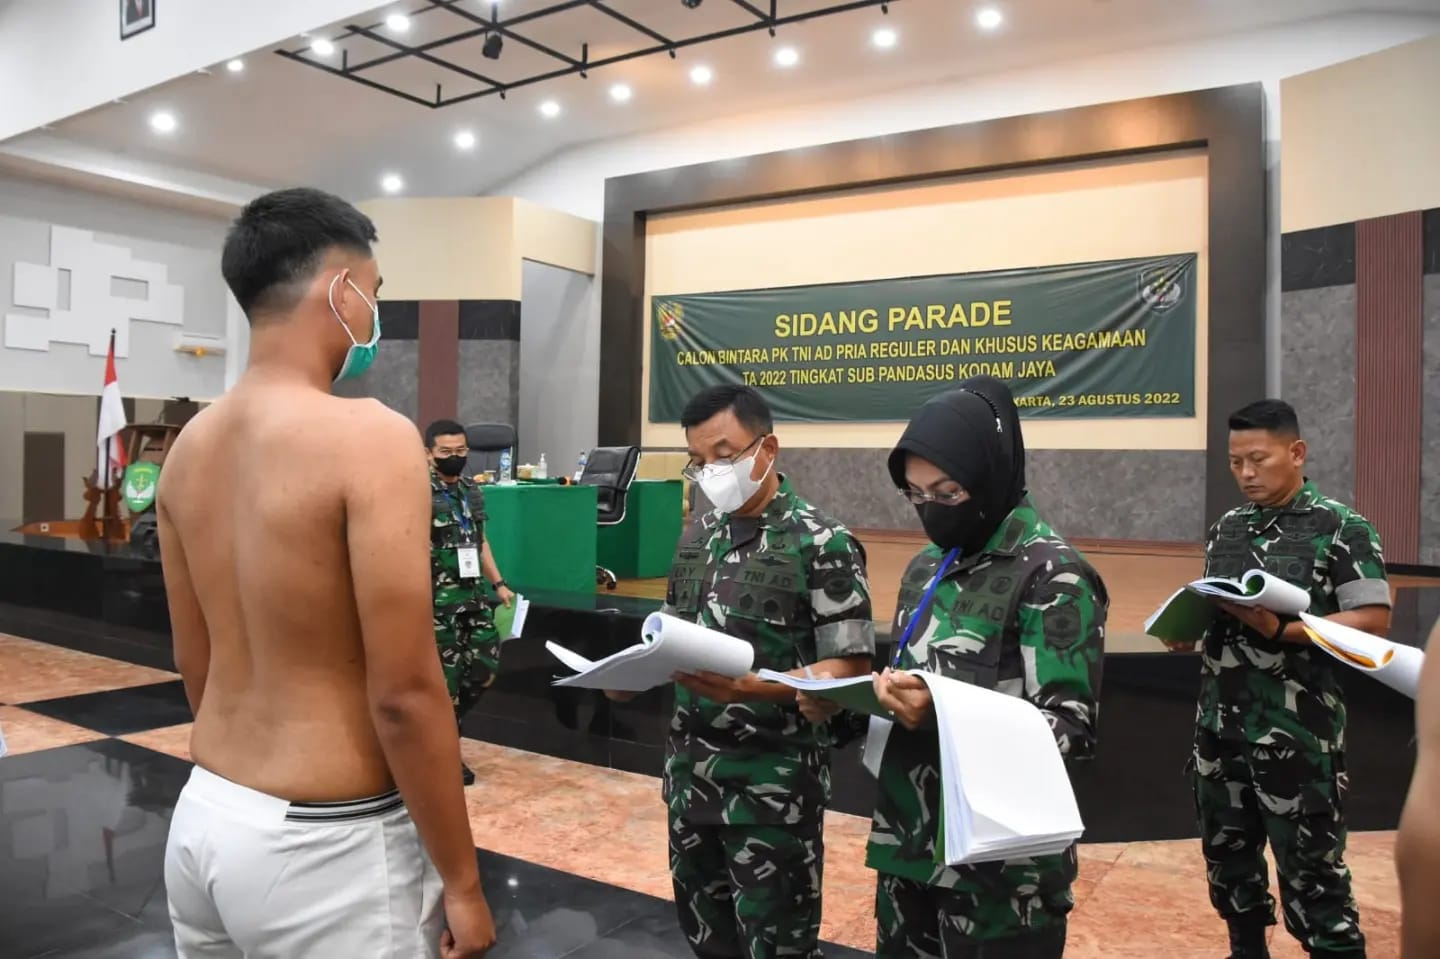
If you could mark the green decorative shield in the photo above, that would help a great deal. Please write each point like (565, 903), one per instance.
(140, 480)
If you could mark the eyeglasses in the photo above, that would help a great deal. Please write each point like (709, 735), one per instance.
(719, 467)
(443, 452)
(918, 497)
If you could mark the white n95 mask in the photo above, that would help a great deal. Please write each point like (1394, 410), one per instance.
(730, 487)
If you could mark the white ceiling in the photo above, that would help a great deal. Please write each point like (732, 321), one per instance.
(282, 123)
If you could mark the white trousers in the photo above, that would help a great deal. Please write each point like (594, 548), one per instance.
(250, 876)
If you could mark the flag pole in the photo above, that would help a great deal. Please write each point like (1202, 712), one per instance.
(105, 518)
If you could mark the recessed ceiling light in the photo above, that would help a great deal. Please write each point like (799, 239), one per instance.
(989, 18)
(550, 108)
(620, 92)
(464, 140)
(701, 75)
(787, 57)
(884, 38)
(398, 22)
(163, 121)
(322, 47)
(392, 183)
(235, 66)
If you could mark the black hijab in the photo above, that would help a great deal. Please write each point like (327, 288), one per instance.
(973, 434)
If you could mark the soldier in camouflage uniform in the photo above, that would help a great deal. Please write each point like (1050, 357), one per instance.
(747, 778)
(1015, 609)
(466, 582)
(1269, 757)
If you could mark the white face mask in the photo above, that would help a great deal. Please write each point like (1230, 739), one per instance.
(730, 487)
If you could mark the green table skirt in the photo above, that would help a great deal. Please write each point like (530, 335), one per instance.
(642, 546)
(543, 535)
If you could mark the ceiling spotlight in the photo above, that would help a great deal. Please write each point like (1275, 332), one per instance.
(464, 140)
(392, 183)
(989, 18)
(884, 38)
(163, 121)
(786, 57)
(493, 44)
(398, 22)
(620, 93)
(701, 75)
(235, 66)
(550, 109)
(322, 47)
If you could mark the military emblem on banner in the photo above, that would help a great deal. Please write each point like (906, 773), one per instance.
(669, 315)
(1161, 287)
(139, 488)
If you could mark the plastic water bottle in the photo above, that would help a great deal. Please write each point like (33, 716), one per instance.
(505, 466)
(542, 471)
(580, 470)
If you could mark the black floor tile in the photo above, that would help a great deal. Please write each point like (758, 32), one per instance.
(118, 712)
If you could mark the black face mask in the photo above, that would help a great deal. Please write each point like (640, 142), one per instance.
(949, 527)
(451, 466)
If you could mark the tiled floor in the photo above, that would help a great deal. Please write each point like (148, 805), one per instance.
(573, 855)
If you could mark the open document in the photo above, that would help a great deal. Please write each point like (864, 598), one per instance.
(667, 646)
(510, 620)
(1004, 795)
(1187, 613)
(1396, 665)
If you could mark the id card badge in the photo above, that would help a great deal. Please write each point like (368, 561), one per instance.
(469, 561)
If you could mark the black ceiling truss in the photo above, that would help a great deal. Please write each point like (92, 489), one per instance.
(470, 25)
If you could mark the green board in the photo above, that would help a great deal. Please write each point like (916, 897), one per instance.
(1096, 340)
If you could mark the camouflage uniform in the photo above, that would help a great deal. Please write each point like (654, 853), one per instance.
(1269, 758)
(1024, 616)
(464, 611)
(746, 784)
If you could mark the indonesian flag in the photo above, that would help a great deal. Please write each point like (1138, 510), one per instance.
(109, 468)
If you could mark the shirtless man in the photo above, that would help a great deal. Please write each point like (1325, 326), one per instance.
(1417, 845)
(294, 534)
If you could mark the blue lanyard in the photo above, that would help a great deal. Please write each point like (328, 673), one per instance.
(915, 617)
(467, 521)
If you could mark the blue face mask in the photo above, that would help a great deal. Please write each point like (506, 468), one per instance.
(360, 355)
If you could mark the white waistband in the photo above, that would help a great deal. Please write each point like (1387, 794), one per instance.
(253, 804)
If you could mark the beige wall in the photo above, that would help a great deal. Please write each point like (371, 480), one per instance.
(1361, 139)
(1074, 214)
(470, 248)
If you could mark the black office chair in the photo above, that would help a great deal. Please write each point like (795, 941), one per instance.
(611, 469)
(487, 441)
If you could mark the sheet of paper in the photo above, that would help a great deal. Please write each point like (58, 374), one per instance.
(1394, 664)
(510, 621)
(1005, 794)
(667, 646)
(856, 693)
(875, 739)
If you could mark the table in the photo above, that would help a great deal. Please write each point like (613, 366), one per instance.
(642, 545)
(542, 535)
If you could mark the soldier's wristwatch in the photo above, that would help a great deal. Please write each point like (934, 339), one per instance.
(1283, 622)
(500, 584)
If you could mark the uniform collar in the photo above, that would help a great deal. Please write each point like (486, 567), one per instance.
(438, 484)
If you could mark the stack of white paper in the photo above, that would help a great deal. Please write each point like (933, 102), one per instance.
(1394, 664)
(667, 646)
(1005, 791)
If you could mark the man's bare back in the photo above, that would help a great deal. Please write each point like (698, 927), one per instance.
(294, 539)
(255, 491)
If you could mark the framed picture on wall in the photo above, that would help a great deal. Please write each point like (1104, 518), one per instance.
(136, 16)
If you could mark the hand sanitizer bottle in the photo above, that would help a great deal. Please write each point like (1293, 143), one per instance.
(541, 471)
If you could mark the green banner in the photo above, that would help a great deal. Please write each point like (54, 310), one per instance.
(139, 486)
(1112, 339)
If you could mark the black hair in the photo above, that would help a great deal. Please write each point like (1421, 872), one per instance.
(748, 406)
(442, 428)
(278, 241)
(1272, 416)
